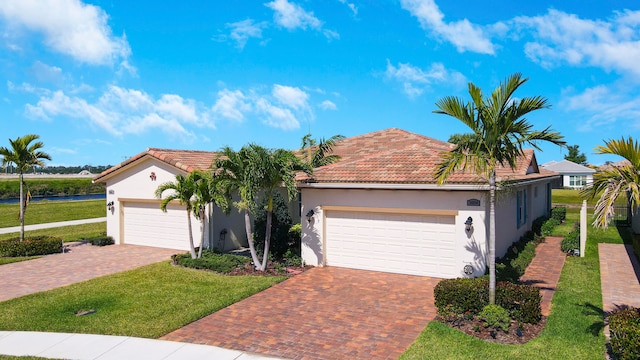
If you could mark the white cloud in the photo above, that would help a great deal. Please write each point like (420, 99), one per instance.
(283, 107)
(328, 105)
(292, 16)
(69, 27)
(59, 150)
(120, 111)
(566, 38)
(464, 35)
(241, 31)
(46, 73)
(231, 104)
(351, 6)
(602, 106)
(416, 80)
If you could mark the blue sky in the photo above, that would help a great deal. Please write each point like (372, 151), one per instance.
(101, 81)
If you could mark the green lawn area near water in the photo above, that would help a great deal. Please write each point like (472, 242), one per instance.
(67, 233)
(147, 302)
(574, 327)
(52, 211)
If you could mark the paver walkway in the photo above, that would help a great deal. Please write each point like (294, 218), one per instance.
(545, 269)
(82, 263)
(324, 313)
(619, 278)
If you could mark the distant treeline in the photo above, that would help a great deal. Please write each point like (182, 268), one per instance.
(63, 169)
(10, 189)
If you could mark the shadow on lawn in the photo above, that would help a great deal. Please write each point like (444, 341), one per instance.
(628, 239)
(597, 326)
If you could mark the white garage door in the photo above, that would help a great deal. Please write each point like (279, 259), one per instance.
(397, 243)
(145, 224)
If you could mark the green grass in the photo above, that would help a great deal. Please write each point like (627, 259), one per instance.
(9, 260)
(573, 330)
(147, 302)
(67, 233)
(52, 211)
(572, 197)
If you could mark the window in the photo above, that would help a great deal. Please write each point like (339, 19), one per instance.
(577, 180)
(521, 207)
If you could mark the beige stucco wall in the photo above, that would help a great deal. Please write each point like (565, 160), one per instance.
(471, 248)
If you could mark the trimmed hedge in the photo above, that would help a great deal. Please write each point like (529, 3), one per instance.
(624, 327)
(472, 295)
(548, 226)
(512, 265)
(31, 246)
(100, 240)
(210, 260)
(559, 213)
(572, 240)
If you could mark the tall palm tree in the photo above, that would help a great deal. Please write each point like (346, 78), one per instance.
(207, 191)
(498, 132)
(616, 181)
(318, 152)
(252, 171)
(24, 154)
(183, 191)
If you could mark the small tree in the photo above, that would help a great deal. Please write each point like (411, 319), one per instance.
(280, 226)
(575, 156)
(182, 190)
(24, 154)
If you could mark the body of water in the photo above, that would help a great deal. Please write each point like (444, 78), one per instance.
(58, 198)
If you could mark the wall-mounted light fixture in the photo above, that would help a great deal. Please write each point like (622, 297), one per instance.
(110, 205)
(468, 224)
(310, 214)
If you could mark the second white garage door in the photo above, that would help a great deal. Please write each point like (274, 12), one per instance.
(398, 243)
(145, 224)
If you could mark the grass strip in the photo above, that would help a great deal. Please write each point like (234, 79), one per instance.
(67, 233)
(52, 211)
(148, 302)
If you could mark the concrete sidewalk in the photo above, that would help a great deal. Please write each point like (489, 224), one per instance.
(106, 347)
(14, 229)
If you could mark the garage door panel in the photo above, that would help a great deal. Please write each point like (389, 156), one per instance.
(145, 224)
(400, 243)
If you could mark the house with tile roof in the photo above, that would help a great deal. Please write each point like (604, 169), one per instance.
(378, 208)
(574, 175)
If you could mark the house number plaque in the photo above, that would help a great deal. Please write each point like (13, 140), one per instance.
(473, 202)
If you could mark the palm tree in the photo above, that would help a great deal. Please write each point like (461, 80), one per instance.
(256, 170)
(183, 190)
(318, 152)
(616, 181)
(24, 155)
(207, 191)
(499, 131)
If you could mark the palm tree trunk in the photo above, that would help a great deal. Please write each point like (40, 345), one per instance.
(203, 221)
(252, 248)
(192, 249)
(267, 240)
(21, 206)
(492, 238)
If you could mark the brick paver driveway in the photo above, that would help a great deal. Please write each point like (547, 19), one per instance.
(82, 263)
(324, 313)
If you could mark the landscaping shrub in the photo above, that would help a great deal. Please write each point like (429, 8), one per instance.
(572, 240)
(624, 327)
(280, 226)
(101, 240)
(31, 246)
(496, 317)
(548, 226)
(512, 265)
(521, 301)
(536, 225)
(462, 296)
(559, 213)
(221, 263)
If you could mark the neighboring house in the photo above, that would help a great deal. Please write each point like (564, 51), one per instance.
(574, 175)
(380, 208)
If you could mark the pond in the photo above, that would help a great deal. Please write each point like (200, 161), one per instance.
(58, 198)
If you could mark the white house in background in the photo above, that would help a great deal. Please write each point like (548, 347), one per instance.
(378, 208)
(574, 175)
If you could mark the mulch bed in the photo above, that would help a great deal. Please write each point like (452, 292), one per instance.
(475, 327)
(272, 270)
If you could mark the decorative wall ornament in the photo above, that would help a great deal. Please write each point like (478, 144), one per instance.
(152, 176)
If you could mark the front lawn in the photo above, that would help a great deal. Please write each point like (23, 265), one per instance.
(573, 330)
(9, 260)
(147, 302)
(52, 211)
(67, 233)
